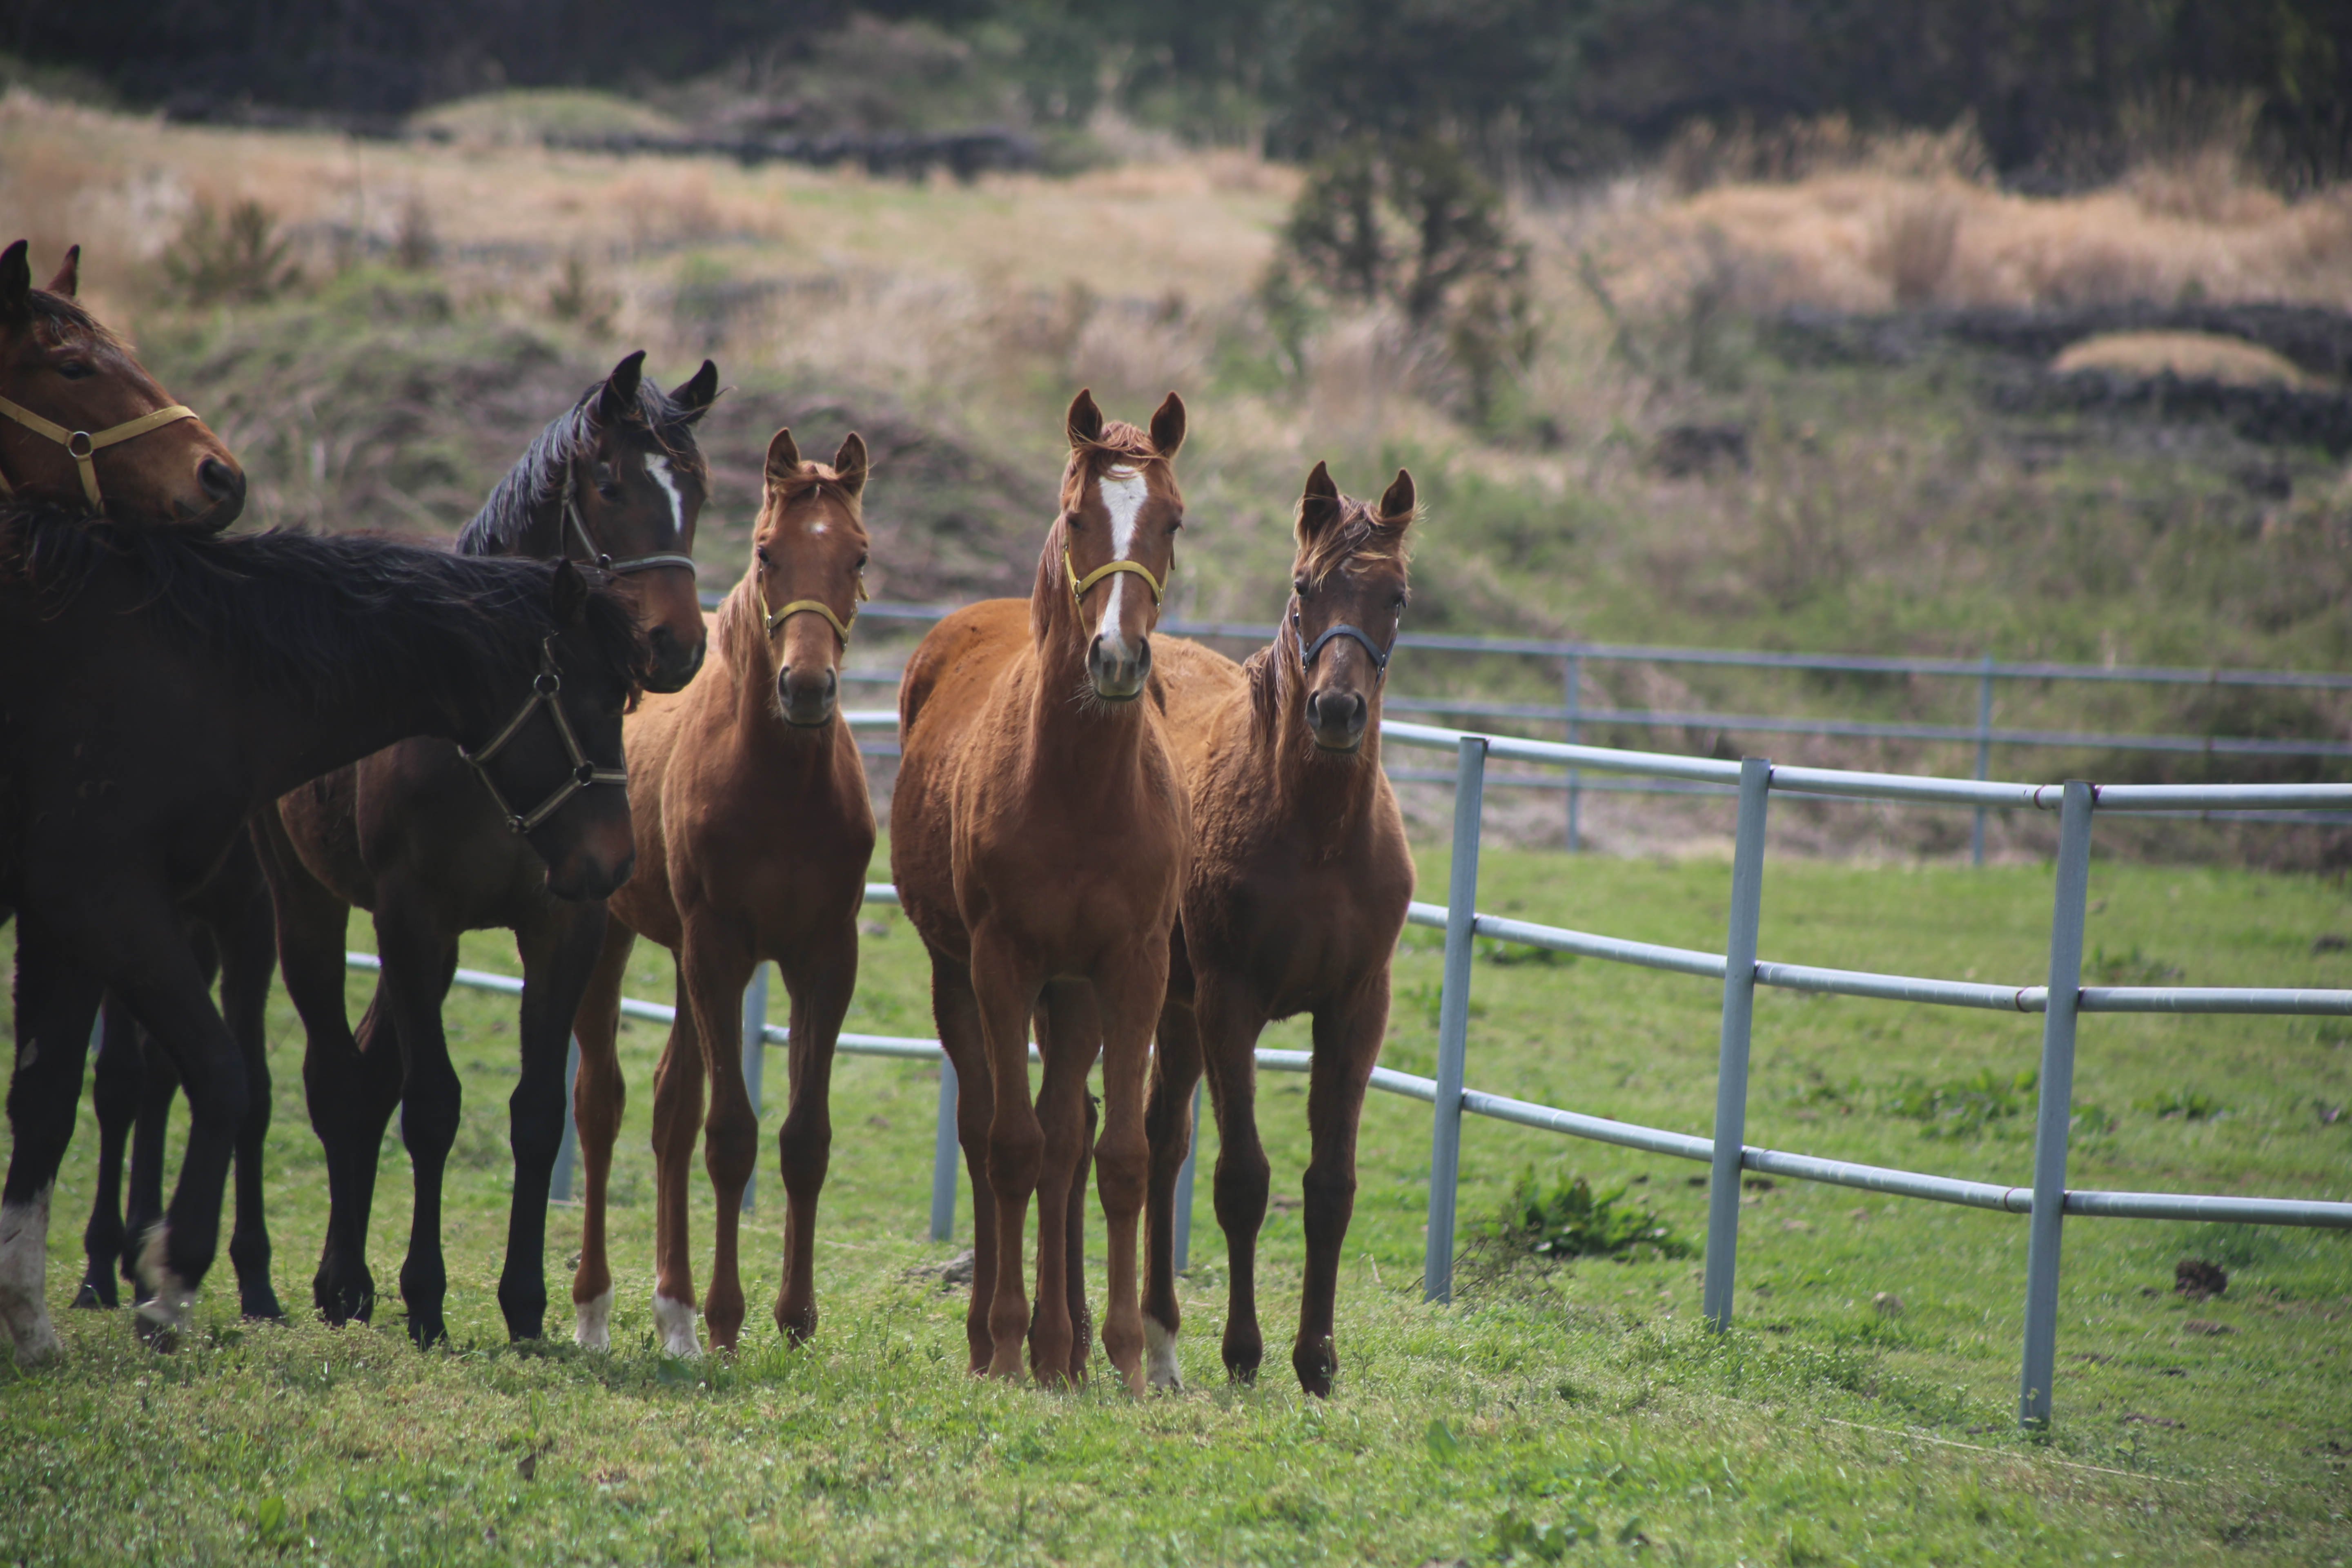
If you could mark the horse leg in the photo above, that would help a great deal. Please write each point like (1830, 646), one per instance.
(419, 960)
(1074, 1220)
(597, 1099)
(1131, 996)
(248, 957)
(678, 1119)
(1229, 1034)
(1005, 994)
(1168, 1122)
(159, 1085)
(559, 945)
(1068, 1033)
(57, 998)
(717, 963)
(1347, 1043)
(820, 979)
(956, 1011)
(114, 1095)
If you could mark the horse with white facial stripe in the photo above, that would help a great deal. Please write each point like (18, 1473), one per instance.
(754, 835)
(616, 483)
(1039, 833)
(1297, 889)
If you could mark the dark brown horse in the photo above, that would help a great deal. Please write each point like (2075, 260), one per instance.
(157, 689)
(754, 835)
(83, 427)
(1297, 889)
(409, 835)
(1039, 833)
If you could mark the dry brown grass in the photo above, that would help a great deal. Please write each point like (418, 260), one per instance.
(2196, 356)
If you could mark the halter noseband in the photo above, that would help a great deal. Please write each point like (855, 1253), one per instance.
(596, 554)
(82, 445)
(1307, 651)
(1078, 585)
(817, 607)
(544, 686)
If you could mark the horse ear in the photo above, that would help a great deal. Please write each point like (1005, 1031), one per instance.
(1084, 421)
(568, 594)
(1319, 504)
(15, 284)
(69, 274)
(783, 454)
(850, 462)
(1397, 501)
(1168, 426)
(698, 392)
(619, 398)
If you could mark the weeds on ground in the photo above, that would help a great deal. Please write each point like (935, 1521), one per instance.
(1568, 1220)
(1962, 1107)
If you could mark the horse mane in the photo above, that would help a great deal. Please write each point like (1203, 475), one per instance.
(505, 519)
(1361, 533)
(295, 609)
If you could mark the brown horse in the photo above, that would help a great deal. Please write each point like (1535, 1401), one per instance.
(1298, 885)
(1039, 833)
(157, 689)
(754, 835)
(408, 836)
(84, 426)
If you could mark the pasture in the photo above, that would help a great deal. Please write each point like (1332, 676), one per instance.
(1584, 1399)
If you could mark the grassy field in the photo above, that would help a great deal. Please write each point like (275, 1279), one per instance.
(1585, 1399)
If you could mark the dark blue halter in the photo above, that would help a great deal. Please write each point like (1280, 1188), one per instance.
(1380, 655)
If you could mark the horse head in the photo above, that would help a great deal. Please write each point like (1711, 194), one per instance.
(1120, 511)
(84, 426)
(1349, 593)
(809, 553)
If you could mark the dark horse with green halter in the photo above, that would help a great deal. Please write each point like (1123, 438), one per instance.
(251, 663)
(409, 836)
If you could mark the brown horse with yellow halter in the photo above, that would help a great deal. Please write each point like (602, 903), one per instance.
(1039, 833)
(754, 835)
(73, 395)
(1298, 887)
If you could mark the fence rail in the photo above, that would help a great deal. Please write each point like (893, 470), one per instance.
(2059, 999)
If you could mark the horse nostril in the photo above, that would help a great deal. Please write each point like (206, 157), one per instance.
(220, 480)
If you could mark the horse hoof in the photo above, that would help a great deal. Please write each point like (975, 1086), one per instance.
(262, 1308)
(1159, 1355)
(591, 1322)
(675, 1320)
(427, 1332)
(92, 1298)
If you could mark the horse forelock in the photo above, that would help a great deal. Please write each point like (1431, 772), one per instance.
(538, 475)
(1121, 444)
(815, 479)
(59, 318)
(1359, 538)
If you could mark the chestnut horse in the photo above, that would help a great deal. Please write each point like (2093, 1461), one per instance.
(1039, 833)
(1298, 885)
(407, 834)
(161, 687)
(83, 427)
(754, 835)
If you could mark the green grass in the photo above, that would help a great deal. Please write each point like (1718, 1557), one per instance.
(1585, 1399)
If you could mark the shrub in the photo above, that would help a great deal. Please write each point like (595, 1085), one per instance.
(1568, 1220)
(239, 257)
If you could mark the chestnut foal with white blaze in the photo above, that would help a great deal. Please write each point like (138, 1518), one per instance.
(1299, 881)
(753, 834)
(1039, 833)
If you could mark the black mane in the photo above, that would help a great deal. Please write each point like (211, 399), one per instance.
(504, 522)
(331, 614)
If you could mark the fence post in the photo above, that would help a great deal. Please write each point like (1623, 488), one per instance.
(1984, 756)
(1453, 1019)
(755, 1048)
(567, 1154)
(1575, 691)
(2056, 1108)
(1731, 1070)
(944, 1150)
(1185, 1189)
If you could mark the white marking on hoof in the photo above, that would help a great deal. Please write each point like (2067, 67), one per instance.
(675, 1320)
(1159, 1357)
(24, 1280)
(163, 1317)
(591, 1322)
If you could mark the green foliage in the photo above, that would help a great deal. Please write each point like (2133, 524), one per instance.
(1517, 1539)
(234, 257)
(2189, 1104)
(1567, 1220)
(2129, 968)
(1963, 1107)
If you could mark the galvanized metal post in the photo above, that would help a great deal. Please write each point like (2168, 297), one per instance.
(1453, 1019)
(567, 1154)
(1984, 756)
(2056, 1108)
(1185, 1190)
(1731, 1069)
(755, 1048)
(945, 1149)
(1575, 693)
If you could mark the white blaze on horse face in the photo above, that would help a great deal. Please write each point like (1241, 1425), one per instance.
(1124, 491)
(674, 1322)
(24, 1279)
(658, 469)
(591, 1322)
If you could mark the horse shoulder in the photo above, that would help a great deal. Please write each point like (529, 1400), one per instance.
(963, 652)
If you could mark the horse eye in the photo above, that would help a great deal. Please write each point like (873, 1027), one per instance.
(73, 370)
(762, 553)
(1398, 602)
(861, 563)
(1298, 586)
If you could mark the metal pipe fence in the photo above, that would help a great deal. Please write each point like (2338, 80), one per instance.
(2061, 1000)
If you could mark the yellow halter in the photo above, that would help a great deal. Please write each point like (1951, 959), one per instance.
(1078, 587)
(818, 607)
(82, 445)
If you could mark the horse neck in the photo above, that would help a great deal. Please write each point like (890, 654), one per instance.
(1071, 737)
(751, 659)
(1330, 795)
(369, 712)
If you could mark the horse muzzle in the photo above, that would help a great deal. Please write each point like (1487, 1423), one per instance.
(1117, 672)
(808, 697)
(675, 661)
(1337, 719)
